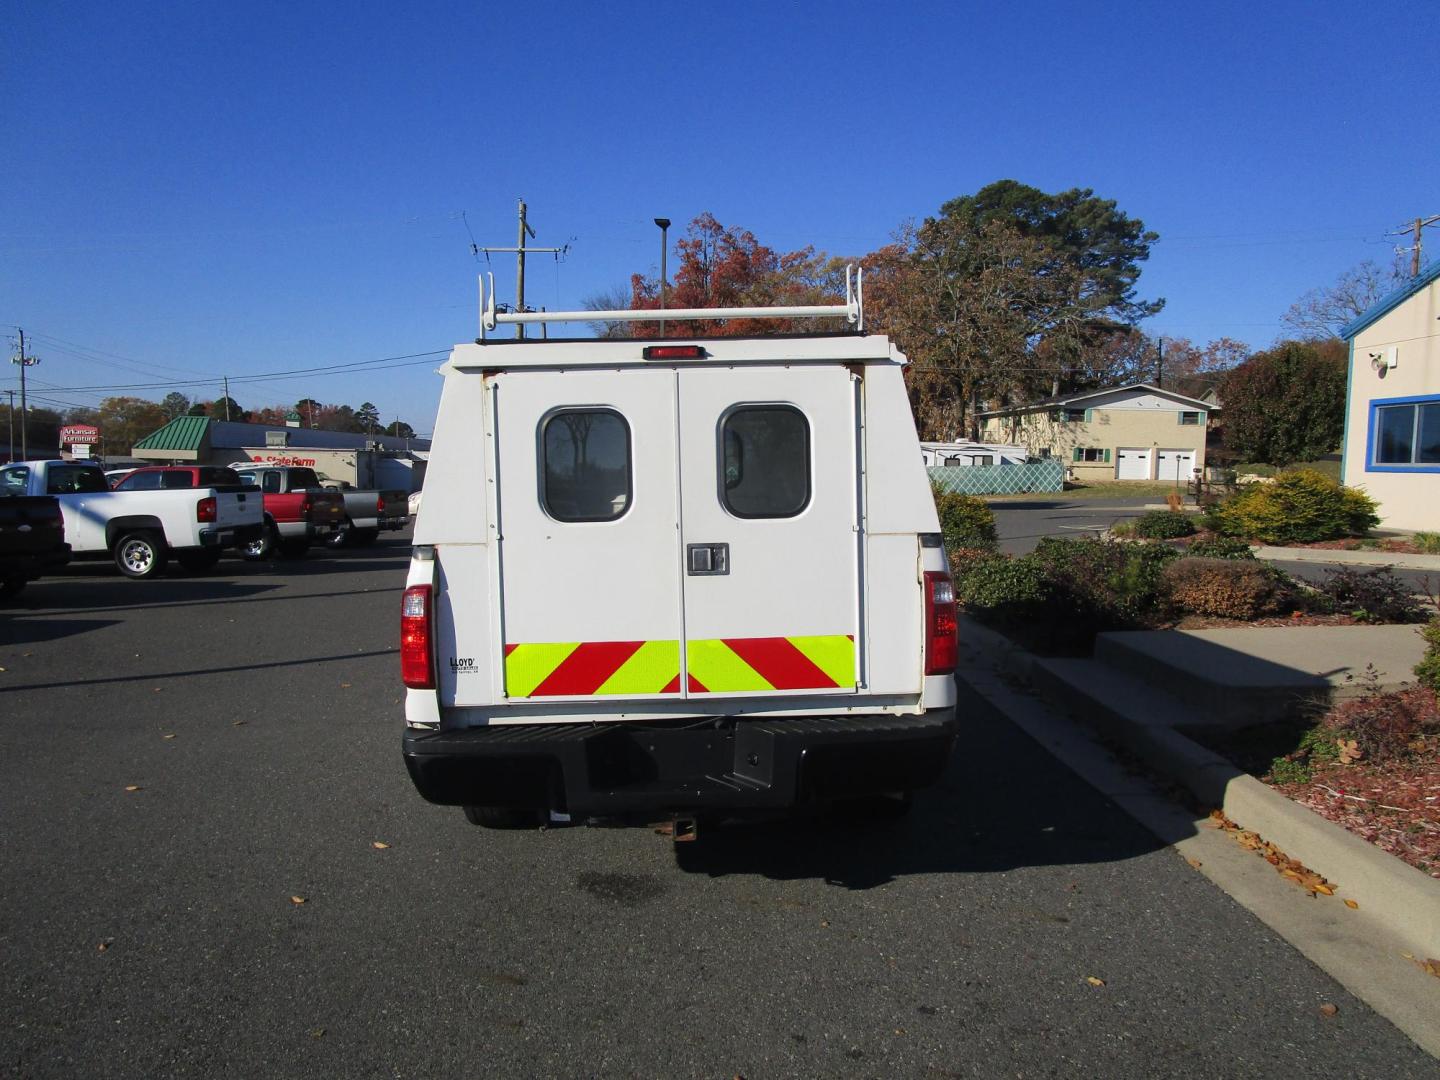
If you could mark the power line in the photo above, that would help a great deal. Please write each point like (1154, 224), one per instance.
(415, 359)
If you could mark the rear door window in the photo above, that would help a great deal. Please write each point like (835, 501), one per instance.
(585, 470)
(764, 461)
(68, 479)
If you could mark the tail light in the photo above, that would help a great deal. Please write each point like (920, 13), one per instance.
(379, 504)
(417, 664)
(305, 504)
(940, 645)
(205, 509)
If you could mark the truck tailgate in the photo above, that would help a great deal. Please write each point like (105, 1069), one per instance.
(234, 508)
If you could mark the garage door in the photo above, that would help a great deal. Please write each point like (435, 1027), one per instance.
(1175, 465)
(1132, 464)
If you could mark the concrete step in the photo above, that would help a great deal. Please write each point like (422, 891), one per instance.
(1233, 678)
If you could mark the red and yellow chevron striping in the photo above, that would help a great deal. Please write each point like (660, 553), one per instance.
(714, 666)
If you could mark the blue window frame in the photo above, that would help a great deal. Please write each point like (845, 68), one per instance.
(1404, 435)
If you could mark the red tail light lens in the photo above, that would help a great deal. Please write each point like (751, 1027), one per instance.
(941, 647)
(205, 509)
(417, 664)
(379, 504)
(305, 504)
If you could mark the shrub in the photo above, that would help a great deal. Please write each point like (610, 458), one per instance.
(1297, 507)
(1164, 525)
(1428, 670)
(1220, 547)
(962, 558)
(1104, 584)
(965, 521)
(1226, 588)
(1384, 726)
(1122, 530)
(1374, 595)
(1427, 543)
(1002, 589)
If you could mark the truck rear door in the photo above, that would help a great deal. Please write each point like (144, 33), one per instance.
(589, 551)
(770, 509)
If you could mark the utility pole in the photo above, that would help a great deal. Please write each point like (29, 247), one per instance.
(12, 423)
(1415, 247)
(521, 251)
(1160, 362)
(24, 362)
(227, 396)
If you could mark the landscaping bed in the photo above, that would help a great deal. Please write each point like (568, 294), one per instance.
(1371, 765)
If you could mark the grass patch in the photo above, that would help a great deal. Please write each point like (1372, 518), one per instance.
(1119, 489)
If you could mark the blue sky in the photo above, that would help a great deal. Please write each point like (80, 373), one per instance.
(215, 189)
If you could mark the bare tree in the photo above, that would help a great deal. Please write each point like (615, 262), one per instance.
(1324, 312)
(616, 298)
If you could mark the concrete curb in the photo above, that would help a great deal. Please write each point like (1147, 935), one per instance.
(1358, 558)
(1398, 895)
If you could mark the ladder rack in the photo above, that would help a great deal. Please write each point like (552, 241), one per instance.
(852, 310)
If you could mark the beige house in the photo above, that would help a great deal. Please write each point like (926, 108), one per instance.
(1392, 406)
(1135, 432)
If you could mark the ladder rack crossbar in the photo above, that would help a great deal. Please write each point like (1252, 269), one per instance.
(852, 310)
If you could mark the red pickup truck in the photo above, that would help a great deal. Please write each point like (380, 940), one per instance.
(298, 510)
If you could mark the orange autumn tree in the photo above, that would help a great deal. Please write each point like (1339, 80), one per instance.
(725, 266)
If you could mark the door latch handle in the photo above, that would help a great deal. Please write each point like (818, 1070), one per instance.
(702, 560)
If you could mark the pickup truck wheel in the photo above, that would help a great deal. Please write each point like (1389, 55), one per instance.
(340, 537)
(364, 537)
(11, 586)
(263, 547)
(502, 817)
(141, 554)
(198, 562)
(293, 549)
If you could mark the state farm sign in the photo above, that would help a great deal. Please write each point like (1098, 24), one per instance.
(261, 457)
(83, 434)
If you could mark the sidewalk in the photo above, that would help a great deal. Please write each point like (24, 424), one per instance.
(1356, 558)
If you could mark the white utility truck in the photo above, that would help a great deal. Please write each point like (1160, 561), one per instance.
(139, 530)
(675, 577)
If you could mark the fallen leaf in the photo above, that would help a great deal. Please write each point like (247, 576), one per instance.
(1350, 751)
(344, 686)
(1329, 1010)
(1196, 863)
(297, 899)
(237, 723)
(167, 736)
(133, 787)
(1351, 904)
(1093, 981)
(102, 946)
(1325, 889)
(825, 923)
(316, 1033)
(379, 845)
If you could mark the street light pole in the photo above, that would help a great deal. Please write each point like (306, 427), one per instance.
(664, 223)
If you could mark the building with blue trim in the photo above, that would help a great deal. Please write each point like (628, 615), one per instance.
(1392, 405)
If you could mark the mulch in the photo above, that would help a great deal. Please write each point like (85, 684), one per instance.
(1394, 805)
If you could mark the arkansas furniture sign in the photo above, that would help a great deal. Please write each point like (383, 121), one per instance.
(79, 435)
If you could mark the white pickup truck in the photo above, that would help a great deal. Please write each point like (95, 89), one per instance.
(140, 530)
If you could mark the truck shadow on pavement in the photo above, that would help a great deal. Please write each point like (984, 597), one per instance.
(1004, 804)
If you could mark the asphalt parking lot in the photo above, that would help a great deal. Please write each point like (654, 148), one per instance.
(255, 714)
